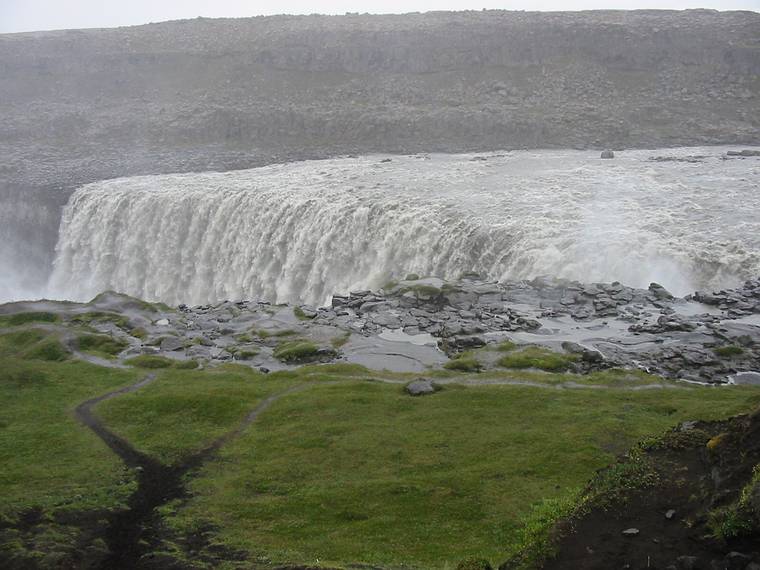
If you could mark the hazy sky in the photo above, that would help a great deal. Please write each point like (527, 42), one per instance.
(27, 15)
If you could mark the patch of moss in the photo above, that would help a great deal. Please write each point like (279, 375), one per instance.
(464, 364)
(298, 352)
(134, 302)
(537, 357)
(150, 361)
(186, 365)
(26, 318)
(93, 317)
(14, 342)
(139, 332)
(300, 315)
(506, 346)
(412, 277)
(51, 350)
(101, 345)
(282, 333)
(340, 340)
(23, 378)
(728, 351)
(246, 353)
(265, 334)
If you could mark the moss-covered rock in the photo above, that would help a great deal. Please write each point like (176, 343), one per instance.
(300, 352)
(537, 357)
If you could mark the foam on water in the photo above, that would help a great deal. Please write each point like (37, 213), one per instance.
(303, 231)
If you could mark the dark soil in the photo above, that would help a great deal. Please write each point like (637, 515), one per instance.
(692, 481)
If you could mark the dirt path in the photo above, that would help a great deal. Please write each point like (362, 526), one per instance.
(118, 445)
(133, 532)
(513, 382)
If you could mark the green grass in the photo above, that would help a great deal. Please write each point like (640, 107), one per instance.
(19, 319)
(300, 315)
(345, 470)
(33, 344)
(183, 411)
(49, 349)
(464, 364)
(359, 472)
(474, 563)
(296, 352)
(538, 357)
(134, 302)
(101, 345)
(340, 340)
(265, 334)
(246, 353)
(94, 317)
(48, 459)
(139, 332)
(150, 361)
(728, 351)
(741, 518)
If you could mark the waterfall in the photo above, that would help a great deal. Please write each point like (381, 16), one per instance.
(300, 232)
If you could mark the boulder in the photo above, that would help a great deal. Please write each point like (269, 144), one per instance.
(172, 343)
(608, 154)
(420, 387)
(660, 292)
(586, 354)
(338, 301)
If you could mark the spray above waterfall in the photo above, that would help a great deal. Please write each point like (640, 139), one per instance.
(300, 232)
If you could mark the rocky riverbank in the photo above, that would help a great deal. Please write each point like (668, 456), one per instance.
(420, 324)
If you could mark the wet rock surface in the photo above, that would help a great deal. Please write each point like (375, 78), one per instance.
(415, 324)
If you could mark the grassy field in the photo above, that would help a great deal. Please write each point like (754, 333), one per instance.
(183, 411)
(48, 459)
(344, 470)
(360, 472)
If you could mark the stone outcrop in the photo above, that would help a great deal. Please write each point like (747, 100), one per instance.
(705, 337)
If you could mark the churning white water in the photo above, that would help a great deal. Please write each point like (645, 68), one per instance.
(303, 231)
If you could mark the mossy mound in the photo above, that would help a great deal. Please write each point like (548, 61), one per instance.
(19, 319)
(149, 361)
(101, 345)
(538, 357)
(464, 364)
(300, 352)
(729, 351)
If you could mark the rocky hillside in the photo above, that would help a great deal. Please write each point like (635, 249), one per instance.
(83, 105)
(284, 87)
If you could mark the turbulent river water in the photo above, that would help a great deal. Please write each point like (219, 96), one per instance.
(299, 232)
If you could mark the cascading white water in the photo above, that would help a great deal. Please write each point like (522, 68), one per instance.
(303, 231)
